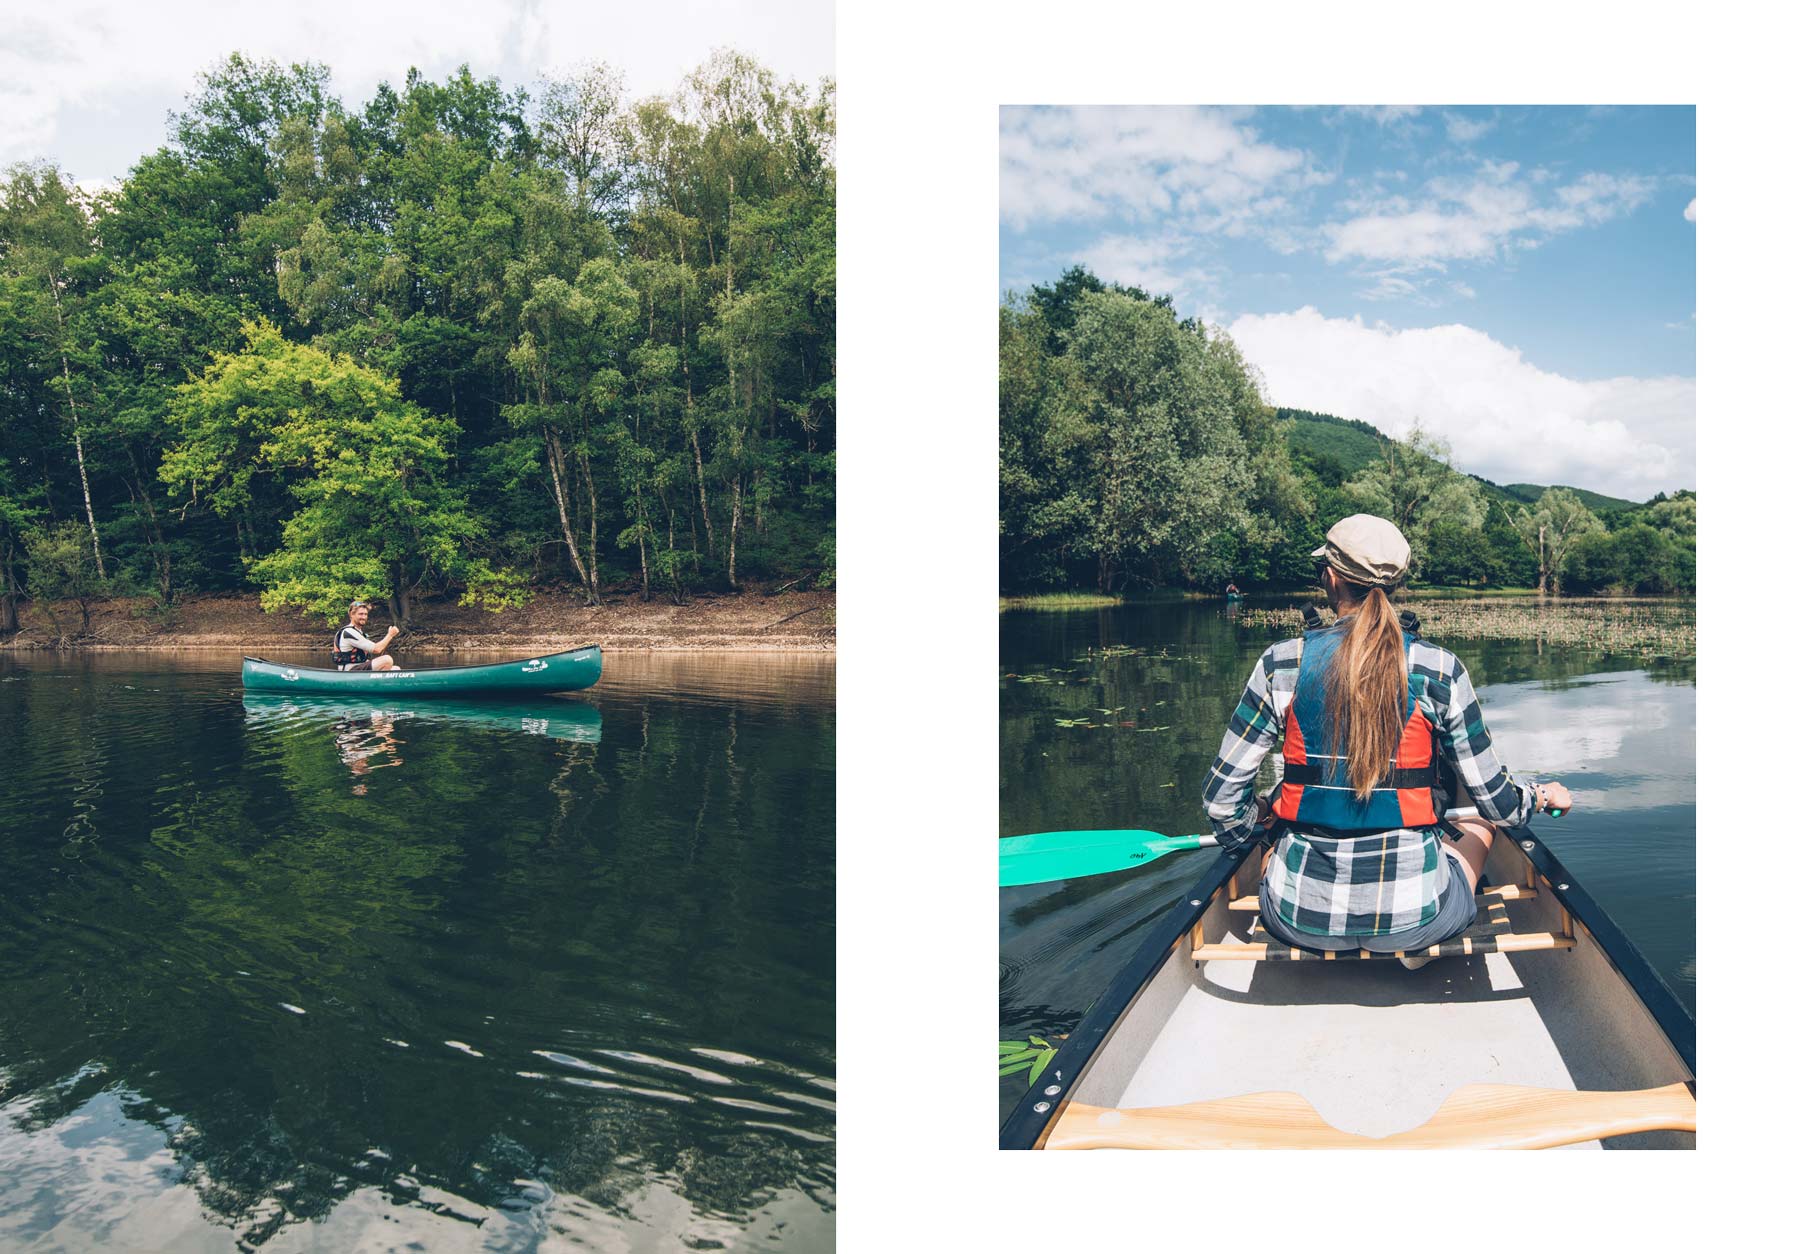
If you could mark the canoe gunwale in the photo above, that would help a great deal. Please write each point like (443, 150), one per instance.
(1027, 1128)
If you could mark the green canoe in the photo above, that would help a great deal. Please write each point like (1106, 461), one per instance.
(555, 672)
(560, 718)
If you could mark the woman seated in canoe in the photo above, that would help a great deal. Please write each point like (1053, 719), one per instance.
(1365, 713)
(351, 650)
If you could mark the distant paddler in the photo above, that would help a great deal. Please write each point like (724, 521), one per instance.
(351, 650)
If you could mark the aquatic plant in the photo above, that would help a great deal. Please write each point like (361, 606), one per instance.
(1644, 627)
(1033, 1052)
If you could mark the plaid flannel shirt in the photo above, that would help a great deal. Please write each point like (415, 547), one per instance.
(1364, 883)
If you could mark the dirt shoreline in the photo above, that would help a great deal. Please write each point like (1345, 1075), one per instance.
(745, 622)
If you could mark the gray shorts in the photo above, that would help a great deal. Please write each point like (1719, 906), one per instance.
(1454, 917)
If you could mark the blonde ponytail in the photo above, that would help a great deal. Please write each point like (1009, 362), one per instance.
(1363, 692)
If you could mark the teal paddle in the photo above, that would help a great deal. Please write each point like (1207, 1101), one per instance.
(1046, 856)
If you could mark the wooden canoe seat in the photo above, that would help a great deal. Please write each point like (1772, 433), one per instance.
(1502, 892)
(1475, 1117)
(1490, 935)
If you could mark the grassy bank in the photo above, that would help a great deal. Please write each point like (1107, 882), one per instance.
(1455, 592)
(1060, 601)
(1642, 627)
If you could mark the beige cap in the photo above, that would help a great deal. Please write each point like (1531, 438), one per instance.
(1366, 549)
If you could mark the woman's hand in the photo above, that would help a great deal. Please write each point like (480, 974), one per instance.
(1553, 796)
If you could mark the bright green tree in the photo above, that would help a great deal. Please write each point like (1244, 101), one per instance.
(1414, 485)
(1458, 553)
(365, 468)
(1170, 472)
(1549, 527)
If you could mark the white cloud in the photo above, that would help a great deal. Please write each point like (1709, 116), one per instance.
(1506, 419)
(1393, 285)
(1200, 166)
(1384, 115)
(109, 59)
(1463, 130)
(1474, 217)
(1152, 264)
(1688, 213)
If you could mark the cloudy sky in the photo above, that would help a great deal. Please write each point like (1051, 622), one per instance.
(89, 86)
(1519, 280)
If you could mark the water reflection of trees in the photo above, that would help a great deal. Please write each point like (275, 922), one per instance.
(659, 890)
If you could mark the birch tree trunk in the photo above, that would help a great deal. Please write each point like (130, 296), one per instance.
(643, 548)
(687, 378)
(737, 514)
(9, 593)
(554, 445)
(75, 423)
(700, 474)
(587, 475)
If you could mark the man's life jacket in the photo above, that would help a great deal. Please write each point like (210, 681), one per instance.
(1315, 788)
(340, 656)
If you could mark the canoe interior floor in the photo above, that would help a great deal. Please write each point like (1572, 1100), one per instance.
(1377, 1048)
(1459, 1021)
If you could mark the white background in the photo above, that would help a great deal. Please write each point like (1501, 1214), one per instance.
(920, 89)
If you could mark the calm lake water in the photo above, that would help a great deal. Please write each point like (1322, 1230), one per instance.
(557, 974)
(1156, 685)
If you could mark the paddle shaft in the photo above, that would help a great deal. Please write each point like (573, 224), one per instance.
(1048, 856)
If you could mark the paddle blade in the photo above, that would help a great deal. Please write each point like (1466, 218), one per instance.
(1046, 856)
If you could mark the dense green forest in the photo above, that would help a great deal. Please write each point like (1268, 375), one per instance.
(465, 340)
(1137, 451)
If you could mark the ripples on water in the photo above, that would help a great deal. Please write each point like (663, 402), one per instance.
(557, 973)
(1156, 685)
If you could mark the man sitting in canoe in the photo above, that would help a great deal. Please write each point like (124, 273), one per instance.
(1365, 712)
(353, 651)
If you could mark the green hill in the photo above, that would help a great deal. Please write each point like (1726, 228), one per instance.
(1593, 500)
(1350, 444)
(1353, 445)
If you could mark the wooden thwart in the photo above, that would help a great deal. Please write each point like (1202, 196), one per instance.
(1475, 1117)
(1464, 945)
(1499, 892)
(1493, 935)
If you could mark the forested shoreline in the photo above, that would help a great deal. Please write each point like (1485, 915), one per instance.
(1137, 452)
(465, 341)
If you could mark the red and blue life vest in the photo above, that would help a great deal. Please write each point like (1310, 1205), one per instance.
(1315, 788)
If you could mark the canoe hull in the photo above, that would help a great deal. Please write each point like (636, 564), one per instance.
(569, 671)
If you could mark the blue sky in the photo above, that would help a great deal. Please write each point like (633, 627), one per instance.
(1519, 280)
